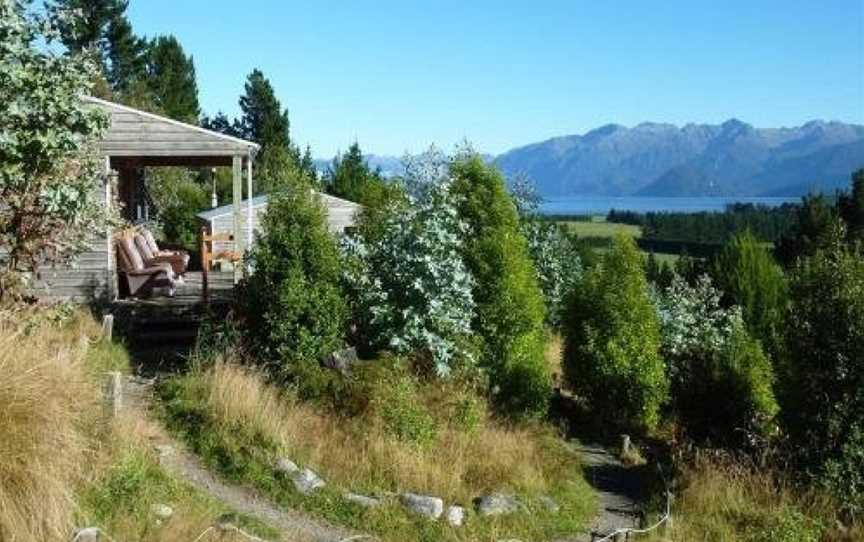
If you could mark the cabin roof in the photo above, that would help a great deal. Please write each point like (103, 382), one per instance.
(154, 139)
(258, 201)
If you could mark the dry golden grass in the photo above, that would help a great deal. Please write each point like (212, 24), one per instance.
(357, 454)
(47, 406)
(725, 501)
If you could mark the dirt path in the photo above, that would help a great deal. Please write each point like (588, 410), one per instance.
(618, 491)
(295, 526)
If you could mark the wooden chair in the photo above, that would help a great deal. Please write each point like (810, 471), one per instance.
(209, 256)
(140, 277)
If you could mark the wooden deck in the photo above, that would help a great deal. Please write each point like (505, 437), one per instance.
(161, 331)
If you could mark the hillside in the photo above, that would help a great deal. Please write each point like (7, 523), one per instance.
(730, 159)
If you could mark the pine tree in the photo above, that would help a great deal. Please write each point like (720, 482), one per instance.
(852, 207)
(171, 78)
(263, 121)
(125, 54)
(349, 175)
(90, 29)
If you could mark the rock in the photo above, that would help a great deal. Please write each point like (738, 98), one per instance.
(88, 534)
(306, 481)
(362, 500)
(549, 504)
(496, 504)
(162, 511)
(285, 466)
(342, 360)
(455, 515)
(431, 507)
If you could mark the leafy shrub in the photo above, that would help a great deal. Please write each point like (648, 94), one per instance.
(823, 400)
(410, 290)
(746, 272)
(510, 313)
(612, 346)
(721, 381)
(292, 300)
(394, 401)
(558, 264)
(178, 199)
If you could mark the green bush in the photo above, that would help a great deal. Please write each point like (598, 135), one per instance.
(394, 400)
(292, 301)
(822, 392)
(746, 272)
(510, 313)
(612, 343)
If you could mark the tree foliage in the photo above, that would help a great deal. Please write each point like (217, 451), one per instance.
(824, 371)
(171, 79)
(720, 380)
(410, 289)
(50, 175)
(292, 301)
(612, 343)
(747, 273)
(510, 313)
(350, 176)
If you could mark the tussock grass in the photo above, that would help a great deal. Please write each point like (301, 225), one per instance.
(47, 406)
(727, 501)
(238, 422)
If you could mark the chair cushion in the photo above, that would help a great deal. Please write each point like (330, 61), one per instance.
(127, 245)
(144, 247)
(151, 241)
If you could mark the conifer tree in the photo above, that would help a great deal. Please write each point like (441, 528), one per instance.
(349, 175)
(125, 55)
(852, 207)
(171, 78)
(89, 30)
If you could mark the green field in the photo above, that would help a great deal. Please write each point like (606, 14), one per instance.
(600, 228)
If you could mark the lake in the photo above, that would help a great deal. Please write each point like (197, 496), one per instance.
(593, 205)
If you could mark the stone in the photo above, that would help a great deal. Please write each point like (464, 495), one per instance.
(496, 504)
(306, 481)
(285, 466)
(549, 504)
(88, 534)
(162, 511)
(342, 360)
(455, 515)
(423, 505)
(362, 500)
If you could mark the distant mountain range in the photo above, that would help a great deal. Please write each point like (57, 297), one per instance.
(729, 159)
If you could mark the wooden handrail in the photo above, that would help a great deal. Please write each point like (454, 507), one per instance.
(208, 256)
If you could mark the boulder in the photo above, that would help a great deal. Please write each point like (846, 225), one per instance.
(362, 500)
(306, 481)
(342, 360)
(455, 515)
(496, 504)
(162, 511)
(285, 466)
(423, 505)
(88, 534)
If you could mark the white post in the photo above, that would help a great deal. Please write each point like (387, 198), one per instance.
(249, 212)
(237, 164)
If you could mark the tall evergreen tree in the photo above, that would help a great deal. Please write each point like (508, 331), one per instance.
(126, 56)
(171, 78)
(349, 174)
(852, 207)
(813, 226)
(266, 123)
(88, 30)
(307, 164)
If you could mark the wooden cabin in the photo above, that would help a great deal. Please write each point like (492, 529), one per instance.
(341, 216)
(135, 140)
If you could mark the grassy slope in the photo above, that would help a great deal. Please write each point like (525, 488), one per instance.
(63, 463)
(239, 425)
(601, 228)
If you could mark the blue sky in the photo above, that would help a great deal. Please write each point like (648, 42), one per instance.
(400, 75)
